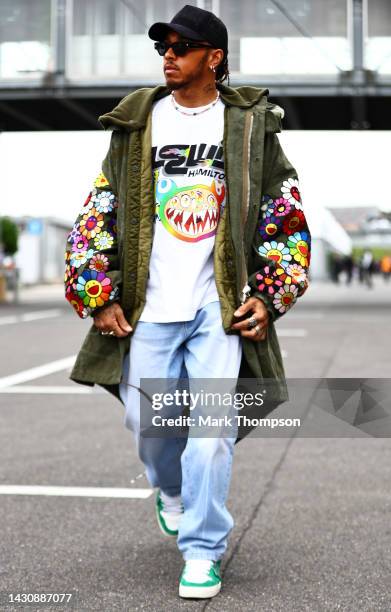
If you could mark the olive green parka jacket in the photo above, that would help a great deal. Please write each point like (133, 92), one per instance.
(262, 239)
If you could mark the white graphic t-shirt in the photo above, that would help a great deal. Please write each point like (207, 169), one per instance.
(189, 187)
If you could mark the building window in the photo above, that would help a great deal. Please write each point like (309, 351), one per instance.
(25, 33)
(301, 37)
(378, 36)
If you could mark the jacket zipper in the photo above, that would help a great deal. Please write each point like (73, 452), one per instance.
(248, 126)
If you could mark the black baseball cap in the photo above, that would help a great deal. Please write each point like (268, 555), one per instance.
(196, 24)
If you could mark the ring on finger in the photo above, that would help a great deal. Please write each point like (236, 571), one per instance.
(252, 322)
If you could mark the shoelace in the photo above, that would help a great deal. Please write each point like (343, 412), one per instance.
(197, 570)
(171, 504)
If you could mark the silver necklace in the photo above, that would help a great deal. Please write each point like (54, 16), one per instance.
(211, 105)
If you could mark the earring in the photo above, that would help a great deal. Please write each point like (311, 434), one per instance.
(213, 68)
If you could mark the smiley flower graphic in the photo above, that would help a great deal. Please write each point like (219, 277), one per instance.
(290, 191)
(91, 224)
(94, 288)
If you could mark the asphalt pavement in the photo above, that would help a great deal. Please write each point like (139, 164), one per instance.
(312, 514)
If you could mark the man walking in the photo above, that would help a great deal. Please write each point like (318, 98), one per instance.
(191, 244)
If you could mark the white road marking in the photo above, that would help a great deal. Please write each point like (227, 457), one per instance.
(75, 491)
(292, 333)
(50, 390)
(307, 315)
(9, 320)
(31, 316)
(38, 372)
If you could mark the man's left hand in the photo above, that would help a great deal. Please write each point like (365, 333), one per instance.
(257, 311)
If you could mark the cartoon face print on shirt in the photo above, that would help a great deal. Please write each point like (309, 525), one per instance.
(190, 213)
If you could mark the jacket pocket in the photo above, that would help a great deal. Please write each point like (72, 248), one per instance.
(100, 359)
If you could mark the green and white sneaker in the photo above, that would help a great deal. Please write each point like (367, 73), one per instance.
(169, 511)
(200, 578)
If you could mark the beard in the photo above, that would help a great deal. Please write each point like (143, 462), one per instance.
(175, 84)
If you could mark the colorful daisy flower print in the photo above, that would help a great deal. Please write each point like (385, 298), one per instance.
(268, 281)
(282, 207)
(267, 205)
(74, 233)
(285, 298)
(104, 240)
(101, 181)
(80, 244)
(99, 262)
(88, 204)
(104, 202)
(77, 304)
(293, 273)
(70, 277)
(114, 294)
(299, 247)
(93, 288)
(87, 265)
(290, 191)
(283, 241)
(277, 251)
(270, 226)
(294, 222)
(78, 259)
(91, 224)
(112, 226)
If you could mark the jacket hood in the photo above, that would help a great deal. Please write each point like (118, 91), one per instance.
(132, 111)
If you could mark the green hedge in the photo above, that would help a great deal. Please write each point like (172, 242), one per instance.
(8, 236)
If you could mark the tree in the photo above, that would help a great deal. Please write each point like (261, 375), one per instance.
(8, 236)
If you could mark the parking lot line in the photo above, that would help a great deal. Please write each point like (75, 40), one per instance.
(50, 390)
(31, 316)
(38, 372)
(292, 333)
(76, 491)
(306, 315)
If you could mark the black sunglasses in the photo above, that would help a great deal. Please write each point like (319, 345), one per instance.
(180, 48)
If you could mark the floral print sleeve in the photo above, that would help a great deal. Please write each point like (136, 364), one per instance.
(282, 240)
(91, 257)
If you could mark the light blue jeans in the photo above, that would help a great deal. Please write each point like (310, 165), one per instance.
(198, 468)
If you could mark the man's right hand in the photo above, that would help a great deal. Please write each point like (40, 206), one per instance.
(112, 319)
